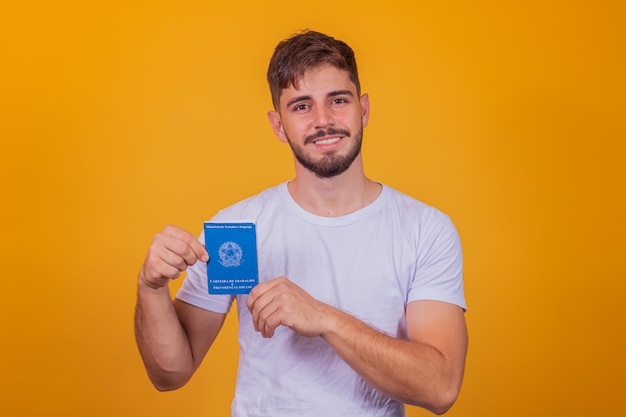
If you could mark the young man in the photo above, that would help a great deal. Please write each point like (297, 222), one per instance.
(360, 305)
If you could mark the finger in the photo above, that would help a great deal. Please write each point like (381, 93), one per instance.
(181, 250)
(174, 260)
(198, 249)
(270, 323)
(167, 272)
(262, 288)
(157, 273)
(193, 249)
(172, 243)
(268, 319)
(262, 306)
(166, 251)
(256, 307)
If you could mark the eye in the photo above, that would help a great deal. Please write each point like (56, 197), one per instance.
(301, 107)
(339, 100)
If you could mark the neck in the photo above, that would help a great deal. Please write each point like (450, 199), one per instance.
(335, 196)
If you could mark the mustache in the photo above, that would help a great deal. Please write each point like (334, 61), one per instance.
(327, 132)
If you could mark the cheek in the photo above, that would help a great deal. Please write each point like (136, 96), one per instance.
(295, 129)
(349, 117)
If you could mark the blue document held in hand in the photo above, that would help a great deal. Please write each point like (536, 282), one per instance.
(232, 266)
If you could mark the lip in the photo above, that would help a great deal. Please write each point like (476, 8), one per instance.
(326, 135)
(327, 140)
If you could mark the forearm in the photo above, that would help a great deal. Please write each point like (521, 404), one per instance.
(161, 339)
(409, 371)
(426, 369)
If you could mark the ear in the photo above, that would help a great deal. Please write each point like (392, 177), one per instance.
(277, 125)
(365, 109)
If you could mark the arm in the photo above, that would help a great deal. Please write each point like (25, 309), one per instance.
(172, 336)
(426, 369)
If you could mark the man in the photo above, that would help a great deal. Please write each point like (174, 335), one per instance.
(359, 307)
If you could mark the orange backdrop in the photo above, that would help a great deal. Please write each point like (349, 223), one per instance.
(120, 117)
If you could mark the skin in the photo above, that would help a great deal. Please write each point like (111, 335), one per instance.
(426, 369)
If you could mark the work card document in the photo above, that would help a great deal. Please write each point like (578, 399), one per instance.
(233, 266)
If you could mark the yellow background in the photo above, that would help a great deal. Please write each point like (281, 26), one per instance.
(120, 117)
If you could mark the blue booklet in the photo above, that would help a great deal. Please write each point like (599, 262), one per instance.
(232, 266)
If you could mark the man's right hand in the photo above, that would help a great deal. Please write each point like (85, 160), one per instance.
(172, 336)
(171, 252)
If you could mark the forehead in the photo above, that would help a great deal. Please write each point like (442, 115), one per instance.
(318, 82)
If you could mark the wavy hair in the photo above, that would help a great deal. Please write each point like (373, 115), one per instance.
(303, 51)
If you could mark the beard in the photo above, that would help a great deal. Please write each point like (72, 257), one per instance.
(330, 164)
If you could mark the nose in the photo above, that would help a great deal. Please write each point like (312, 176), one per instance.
(323, 117)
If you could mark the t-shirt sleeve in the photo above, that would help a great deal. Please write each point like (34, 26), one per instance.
(439, 266)
(195, 289)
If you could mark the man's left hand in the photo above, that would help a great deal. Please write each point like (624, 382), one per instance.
(281, 302)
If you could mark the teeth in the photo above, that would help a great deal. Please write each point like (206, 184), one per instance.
(327, 141)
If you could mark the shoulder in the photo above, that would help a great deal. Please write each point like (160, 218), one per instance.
(252, 207)
(414, 211)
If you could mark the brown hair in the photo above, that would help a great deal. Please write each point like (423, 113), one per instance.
(305, 50)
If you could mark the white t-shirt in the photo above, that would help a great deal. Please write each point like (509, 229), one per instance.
(370, 263)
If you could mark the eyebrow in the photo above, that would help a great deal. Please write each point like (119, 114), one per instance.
(306, 97)
(297, 99)
(340, 93)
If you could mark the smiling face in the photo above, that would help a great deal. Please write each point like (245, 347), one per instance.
(322, 118)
